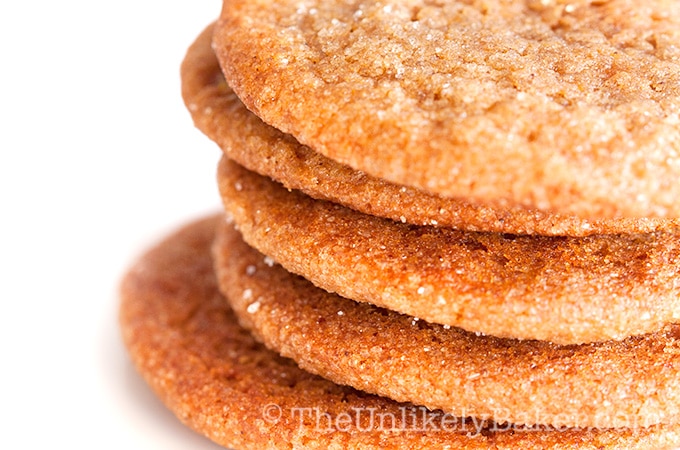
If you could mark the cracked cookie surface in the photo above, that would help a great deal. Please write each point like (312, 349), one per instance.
(568, 107)
(218, 112)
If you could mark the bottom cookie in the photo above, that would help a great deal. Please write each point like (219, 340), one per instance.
(218, 380)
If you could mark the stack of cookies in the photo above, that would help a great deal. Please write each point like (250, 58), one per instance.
(448, 225)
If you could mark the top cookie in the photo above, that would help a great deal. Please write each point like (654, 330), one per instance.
(218, 113)
(569, 107)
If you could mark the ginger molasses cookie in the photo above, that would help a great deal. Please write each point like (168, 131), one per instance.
(217, 379)
(570, 107)
(259, 147)
(561, 289)
(611, 384)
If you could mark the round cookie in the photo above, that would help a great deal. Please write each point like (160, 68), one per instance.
(612, 384)
(570, 107)
(255, 145)
(210, 372)
(560, 289)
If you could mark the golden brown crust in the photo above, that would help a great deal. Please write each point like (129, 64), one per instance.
(184, 340)
(565, 290)
(565, 106)
(600, 385)
(263, 149)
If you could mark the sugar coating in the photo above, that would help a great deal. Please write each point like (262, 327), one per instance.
(254, 307)
(564, 106)
(186, 342)
(561, 289)
(266, 150)
(612, 384)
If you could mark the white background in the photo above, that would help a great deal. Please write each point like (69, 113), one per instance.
(98, 160)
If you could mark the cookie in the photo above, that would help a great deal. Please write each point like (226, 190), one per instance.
(570, 107)
(606, 385)
(255, 145)
(211, 373)
(560, 289)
